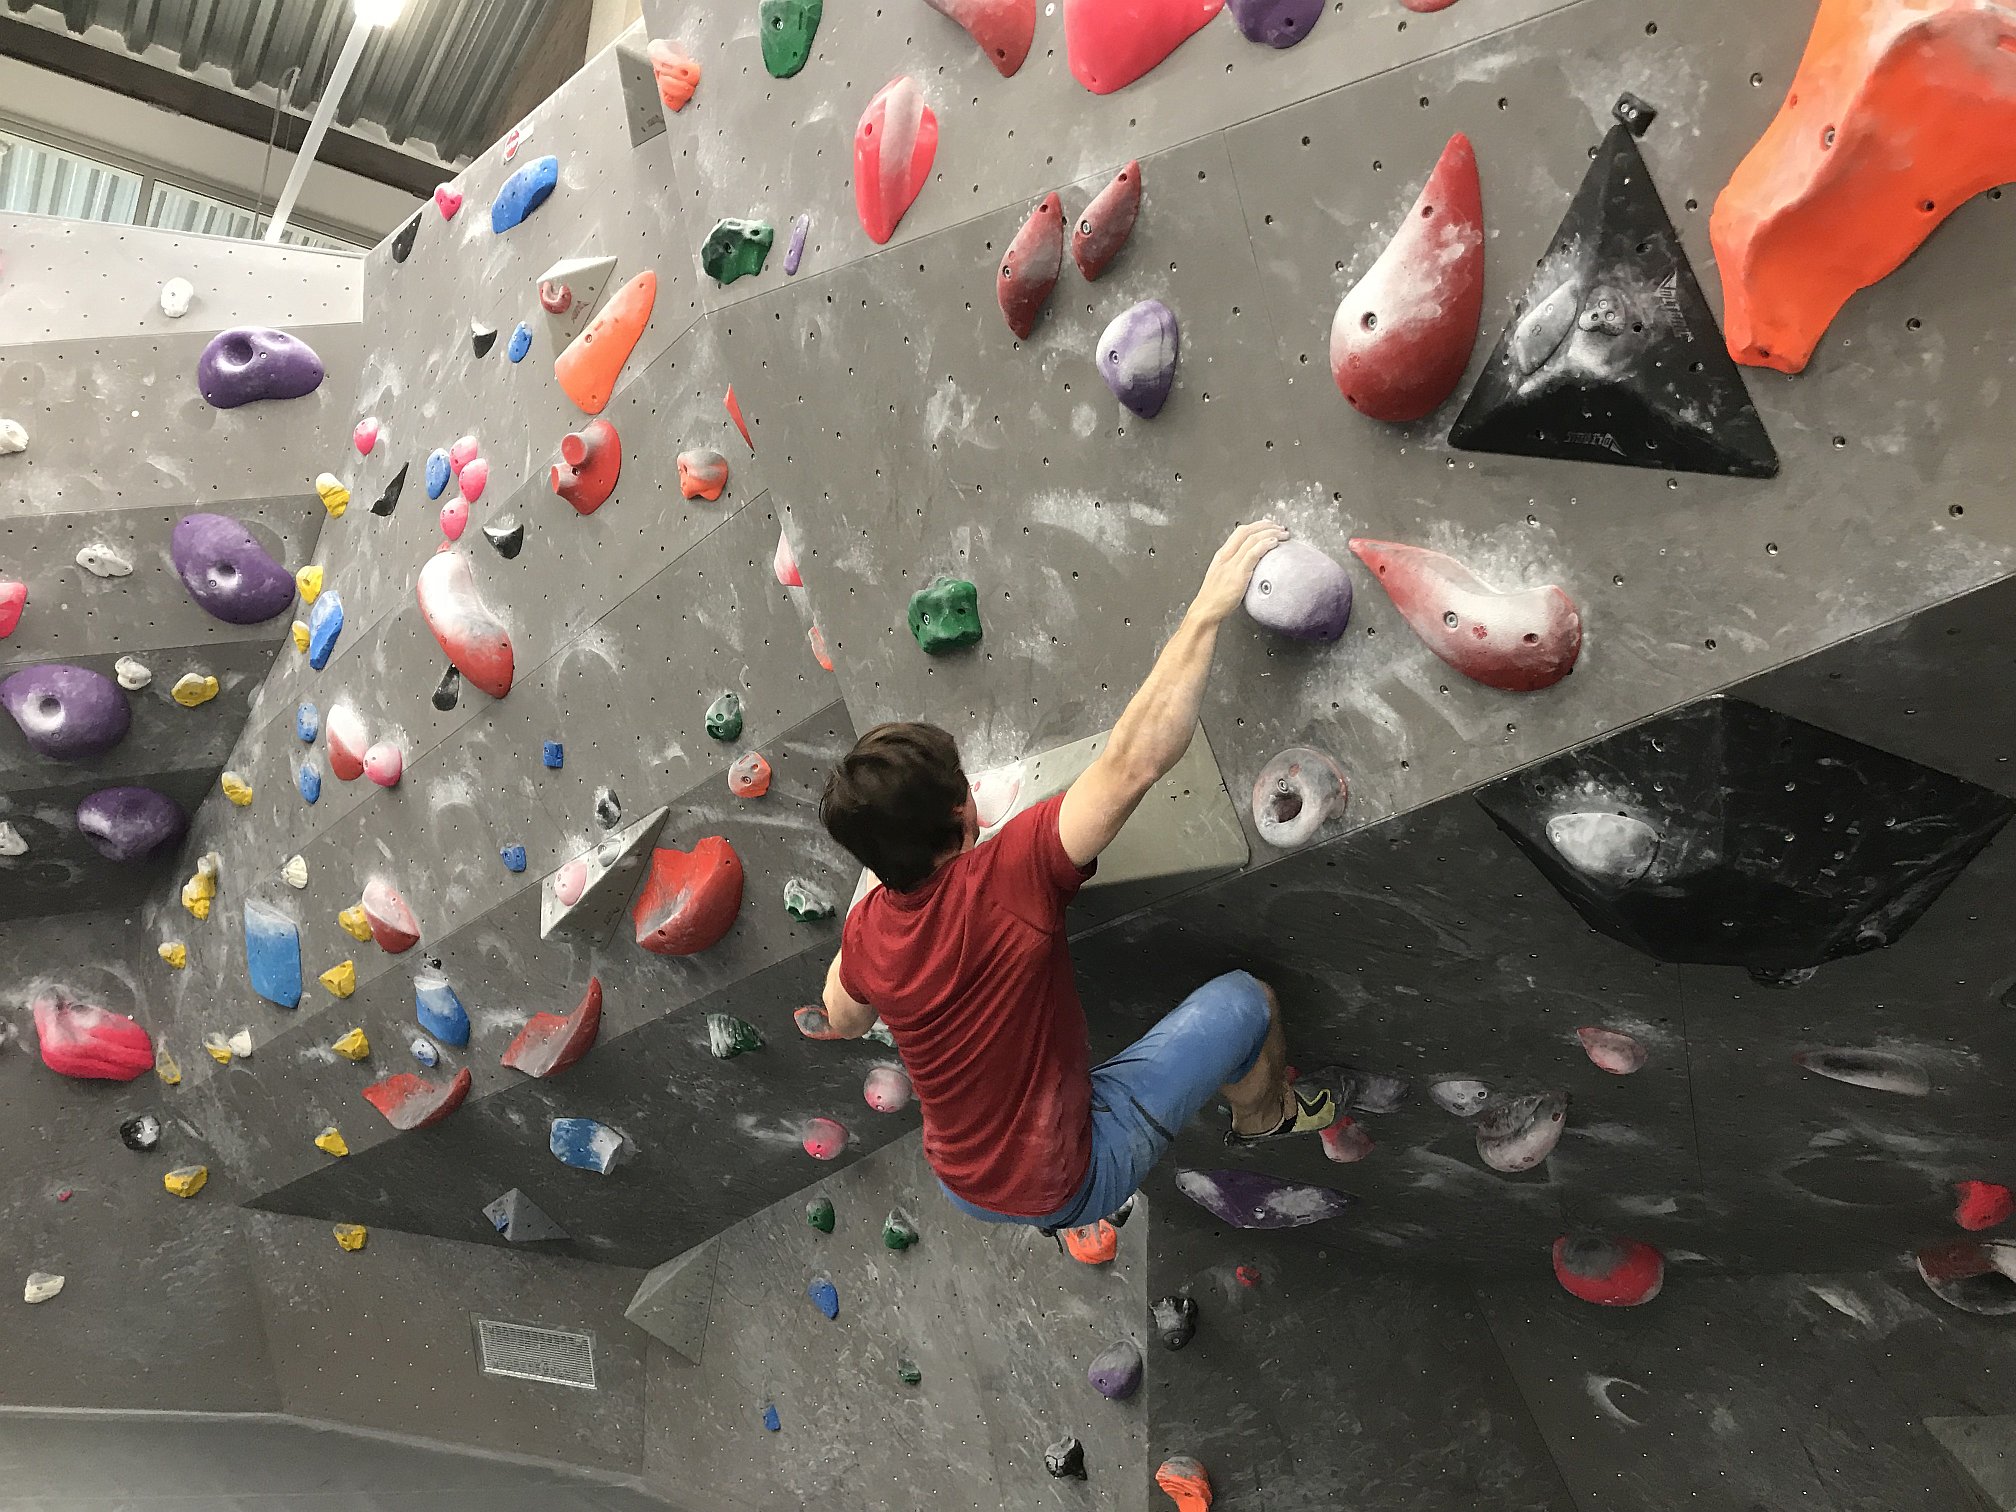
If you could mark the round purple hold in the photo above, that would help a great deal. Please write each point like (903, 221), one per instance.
(1137, 357)
(228, 572)
(130, 823)
(1116, 1374)
(248, 363)
(1277, 23)
(1299, 591)
(67, 713)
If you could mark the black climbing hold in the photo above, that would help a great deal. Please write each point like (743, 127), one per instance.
(448, 692)
(481, 338)
(389, 500)
(1633, 114)
(142, 1132)
(1175, 1321)
(1773, 844)
(402, 242)
(608, 810)
(908, 1373)
(507, 535)
(1613, 355)
(1065, 1459)
(1119, 1216)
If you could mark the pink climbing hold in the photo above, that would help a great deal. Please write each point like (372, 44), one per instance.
(475, 639)
(454, 518)
(1613, 1051)
(591, 460)
(749, 776)
(1427, 7)
(90, 1043)
(1030, 266)
(1982, 1204)
(1403, 334)
(13, 599)
(473, 476)
(1520, 640)
(1111, 43)
(344, 730)
(816, 639)
(385, 764)
(824, 1138)
(366, 435)
(392, 922)
(412, 1102)
(734, 407)
(552, 1042)
(1107, 223)
(1005, 29)
(570, 882)
(887, 1089)
(894, 147)
(461, 454)
(448, 200)
(785, 563)
(1346, 1141)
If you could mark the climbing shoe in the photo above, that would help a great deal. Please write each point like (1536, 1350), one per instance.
(1316, 1108)
(1185, 1481)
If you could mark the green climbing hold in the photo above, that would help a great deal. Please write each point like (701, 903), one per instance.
(788, 29)
(724, 717)
(945, 615)
(819, 1213)
(807, 903)
(908, 1373)
(736, 247)
(881, 1035)
(898, 1232)
(728, 1036)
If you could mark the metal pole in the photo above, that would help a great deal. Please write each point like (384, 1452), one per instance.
(325, 111)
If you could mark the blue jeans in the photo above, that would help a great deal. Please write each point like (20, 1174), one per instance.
(1144, 1096)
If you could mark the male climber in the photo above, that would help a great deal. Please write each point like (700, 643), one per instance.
(961, 952)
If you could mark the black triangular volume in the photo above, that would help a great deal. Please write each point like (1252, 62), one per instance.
(402, 243)
(1613, 355)
(389, 500)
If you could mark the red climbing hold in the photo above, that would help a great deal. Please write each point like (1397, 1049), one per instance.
(1403, 334)
(347, 737)
(749, 775)
(591, 460)
(734, 407)
(13, 599)
(894, 146)
(392, 923)
(703, 474)
(1030, 267)
(785, 563)
(475, 639)
(1982, 1204)
(887, 1089)
(1427, 7)
(554, 1041)
(1003, 28)
(1247, 1276)
(594, 360)
(1185, 1481)
(448, 200)
(1901, 111)
(690, 899)
(1107, 223)
(1111, 43)
(1612, 1050)
(824, 1138)
(413, 1102)
(1609, 1272)
(90, 1043)
(816, 639)
(676, 74)
(1346, 1141)
(1521, 640)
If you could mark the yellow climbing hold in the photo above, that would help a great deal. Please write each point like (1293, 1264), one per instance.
(309, 583)
(335, 497)
(331, 1142)
(193, 689)
(351, 1236)
(186, 1181)
(354, 923)
(353, 1046)
(236, 788)
(341, 978)
(301, 636)
(219, 1048)
(201, 888)
(175, 953)
(166, 1067)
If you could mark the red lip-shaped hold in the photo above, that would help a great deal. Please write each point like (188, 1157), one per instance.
(1030, 267)
(90, 1043)
(413, 1102)
(894, 147)
(1111, 43)
(690, 899)
(348, 740)
(392, 923)
(475, 639)
(1003, 28)
(554, 1041)
(1107, 223)
(591, 460)
(1519, 641)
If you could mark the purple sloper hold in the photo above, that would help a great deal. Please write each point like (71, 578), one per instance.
(1137, 357)
(1300, 592)
(1116, 1374)
(1255, 1200)
(130, 823)
(248, 363)
(1278, 23)
(228, 572)
(67, 713)
(796, 250)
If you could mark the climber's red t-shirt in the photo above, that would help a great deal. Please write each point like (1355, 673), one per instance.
(971, 973)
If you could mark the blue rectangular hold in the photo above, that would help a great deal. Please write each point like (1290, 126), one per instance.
(273, 954)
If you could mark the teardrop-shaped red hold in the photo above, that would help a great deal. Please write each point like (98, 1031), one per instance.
(1030, 267)
(690, 898)
(1403, 334)
(1111, 43)
(894, 147)
(1519, 641)
(1003, 28)
(552, 1042)
(1107, 223)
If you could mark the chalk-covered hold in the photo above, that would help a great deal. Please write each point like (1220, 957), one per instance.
(1254, 1200)
(130, 823)
(272, 954)
(728, 1036)
(88, 1043)
(331, 1142)
(749, 775)
(454, 518)
(1137, 355)
(887, 1089)
(824, 1138)
(895, 144)
(1612, 1050)
(584, 1144)
(13, 437)
(67, 713)
(325, 628)
(294, 872)
(364, 436)
(512, 854)
(1300, 592)
(474, 639)
(1110, 46)
(103, 561)
(703, 473)
(351, 1237)
(1517, 1133)
(11, 843)
(249, 363)
(806, 901)
(481, 338)
(521, 343)
(1295, 794)
(176, 296)
(412, 1102)
(448, 200)
(385, 764)
(438, 1010)
(174, 952)
(308, 782)
(1519, 640)
(785, 563)
(1608, 1271)
(552, 1042)
(41, 1286)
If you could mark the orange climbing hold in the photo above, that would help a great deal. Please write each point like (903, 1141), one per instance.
(593, 361)
(1185, 1481)
(1093, 1244)
(690, 898)
(677, 75)
(735, 413)
(1900, 111)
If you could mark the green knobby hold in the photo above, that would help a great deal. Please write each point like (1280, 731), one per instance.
(724, 717)
(788, 27)
(819, 1213)
(735, 247)
(898, 1232)
(881, 1035)
(908, 1373)
(728, 1036)
(807, 903)
(946, 615)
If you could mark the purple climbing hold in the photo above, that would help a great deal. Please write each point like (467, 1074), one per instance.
(795, 252)
(1255, 1200)
(1137, 357)
(227, 571)
(1300, 592)
(1278, 23)
(1116, 1374)
(249, 363)
(130, 823)
(67, 713)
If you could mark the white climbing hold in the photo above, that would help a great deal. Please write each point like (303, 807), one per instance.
(175, 297)
(101, 560)
(13, 437)
(133, 675)
(295, 872)
(11, 843)
(241, 1044)
(41, 1287)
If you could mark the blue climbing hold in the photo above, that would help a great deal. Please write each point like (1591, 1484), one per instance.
(770, 1419)
(309, 781)
(308, 723)
(273, 954)
(424, 1051)
(514, 858)
(521, 343)
(524, 192)
(438, 472)
(824, 1296)
(555, 755)
(439, 1011)
(585, 1144)
(325, 624)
